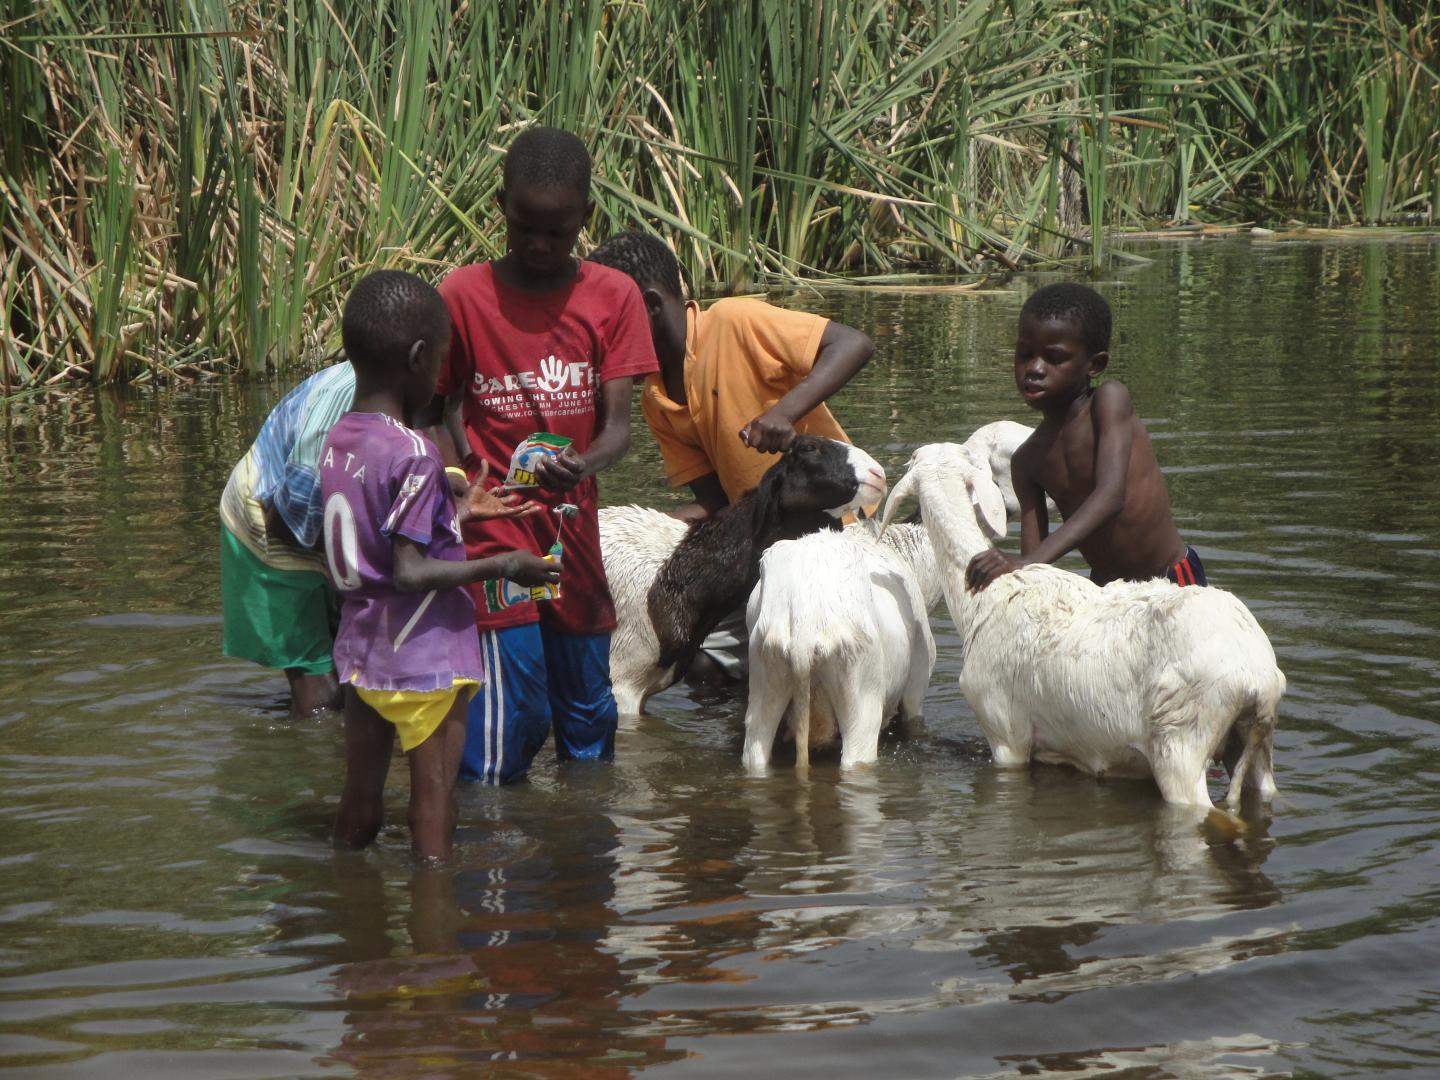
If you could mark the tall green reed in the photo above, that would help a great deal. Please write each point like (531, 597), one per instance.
(191, 185)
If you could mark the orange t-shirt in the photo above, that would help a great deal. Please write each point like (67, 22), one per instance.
(741, 356)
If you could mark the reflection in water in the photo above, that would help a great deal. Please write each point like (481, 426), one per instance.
(1220, 1058)
(170, 905)
(1037, 875)
(503, 959)
(1114, 861)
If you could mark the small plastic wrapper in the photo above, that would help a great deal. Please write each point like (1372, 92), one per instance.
(528, 455)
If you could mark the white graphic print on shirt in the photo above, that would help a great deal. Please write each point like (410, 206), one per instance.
(553, 387)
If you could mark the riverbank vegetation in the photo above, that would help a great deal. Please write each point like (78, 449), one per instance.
(191, 187)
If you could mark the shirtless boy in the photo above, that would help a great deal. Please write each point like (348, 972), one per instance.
(1090, 453)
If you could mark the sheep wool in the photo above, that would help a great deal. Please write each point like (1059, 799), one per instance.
(839, 641)
(635, 541)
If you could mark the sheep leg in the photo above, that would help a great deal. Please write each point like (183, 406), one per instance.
(1253, 771)
(628, 702)
(1262, 770)
(860, 713)
(800, 725)
(623, 684)
(769, 696)
(917, 681)
(1009, 732)
(633, 676)
(1007, 756)
(1178, 765)
(1240, 771)
(1009, 748)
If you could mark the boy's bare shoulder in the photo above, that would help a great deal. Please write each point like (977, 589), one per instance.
(1111, 396)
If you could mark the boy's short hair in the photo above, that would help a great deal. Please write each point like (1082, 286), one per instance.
(646, 258)
(1071, 300)
(548, 157)
(387, 312)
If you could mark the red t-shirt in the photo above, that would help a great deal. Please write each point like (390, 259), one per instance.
(533, 363)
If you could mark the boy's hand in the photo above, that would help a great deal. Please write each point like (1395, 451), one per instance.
(474, 503)
(527, 568)
(562, 471)
(768, 433)
(987, 566)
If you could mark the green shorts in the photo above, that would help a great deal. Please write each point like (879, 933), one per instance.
(279, 618)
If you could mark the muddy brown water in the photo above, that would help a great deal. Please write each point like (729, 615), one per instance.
(170, 907)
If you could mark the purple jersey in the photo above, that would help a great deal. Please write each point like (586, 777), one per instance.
(380, 480)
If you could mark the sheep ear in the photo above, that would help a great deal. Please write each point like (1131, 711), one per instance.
(988, 502)
(898, 494)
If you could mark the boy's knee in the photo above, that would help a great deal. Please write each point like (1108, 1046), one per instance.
(504, 732)
(585, 730)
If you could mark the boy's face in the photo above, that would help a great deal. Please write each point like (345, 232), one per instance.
(542, 224)
(1052, 364)
(668, 324)
(424, 369)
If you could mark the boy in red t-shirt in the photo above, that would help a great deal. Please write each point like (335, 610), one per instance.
(542, 342)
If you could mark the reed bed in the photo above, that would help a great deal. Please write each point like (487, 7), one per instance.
(190, 187)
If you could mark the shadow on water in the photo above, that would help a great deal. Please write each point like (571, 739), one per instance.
(169, 904)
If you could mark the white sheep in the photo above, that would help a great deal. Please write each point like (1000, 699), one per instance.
(672, 585)
(839, 640)
(1136, 678)
(996, 443)
(634, 542)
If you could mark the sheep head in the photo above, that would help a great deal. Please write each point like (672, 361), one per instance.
(960, 503)
(822, 475)
(996, 443)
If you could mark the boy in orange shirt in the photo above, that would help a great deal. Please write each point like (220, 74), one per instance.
(737, 381)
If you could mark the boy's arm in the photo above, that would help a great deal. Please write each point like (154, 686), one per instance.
(709, 500)
(452, 422)
(275, 527)
(566, 469)
(417, 572)
(1034, 510)
(475, 502)
(1111, 413)
(843, 351)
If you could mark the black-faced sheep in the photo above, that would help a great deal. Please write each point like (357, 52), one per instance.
(689, 579)
(1136, 678)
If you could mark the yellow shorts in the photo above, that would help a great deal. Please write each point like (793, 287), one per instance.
(416, 715)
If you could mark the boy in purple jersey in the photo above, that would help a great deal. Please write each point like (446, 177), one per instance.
(406, 654)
